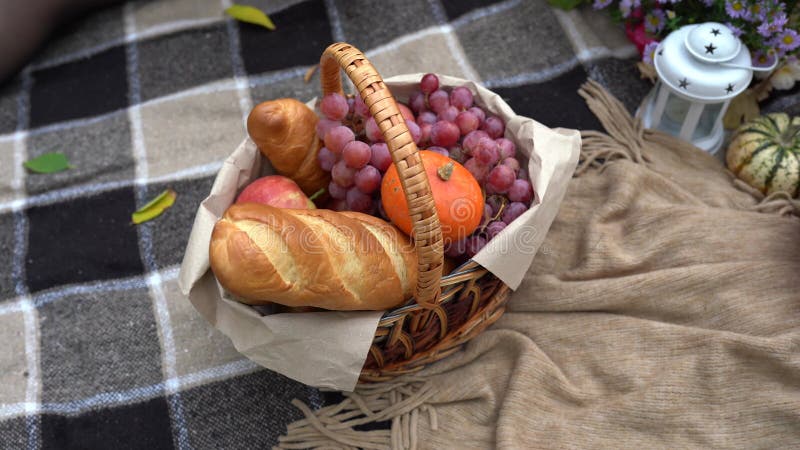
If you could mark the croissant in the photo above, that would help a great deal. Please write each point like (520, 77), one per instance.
(285, 132)
(320, 258)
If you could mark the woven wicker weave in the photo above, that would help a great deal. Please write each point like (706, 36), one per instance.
(447, 311)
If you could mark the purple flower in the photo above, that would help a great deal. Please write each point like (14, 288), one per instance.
(761, 59)
(765, 29)
(767, 8)
(649, 53)
(757, 10)
(768, 28)
(600, 4)
(787, 41)
(736, 8)
(708, 2)
(734, 29)
(625, 7)
(670, 1)
(654, 21)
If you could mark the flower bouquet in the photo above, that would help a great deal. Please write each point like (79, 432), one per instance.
(769, 29)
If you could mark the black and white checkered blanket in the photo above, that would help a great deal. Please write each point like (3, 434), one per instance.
(100, 349)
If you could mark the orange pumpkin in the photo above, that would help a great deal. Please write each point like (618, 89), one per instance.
(456, 193)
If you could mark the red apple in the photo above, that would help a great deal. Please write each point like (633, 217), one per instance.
(277, 191)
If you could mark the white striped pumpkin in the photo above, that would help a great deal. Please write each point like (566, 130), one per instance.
(765, 153)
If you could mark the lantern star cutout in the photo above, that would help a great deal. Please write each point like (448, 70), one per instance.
(715, 32)
(710, 48)
(684, 83)
(729, 89)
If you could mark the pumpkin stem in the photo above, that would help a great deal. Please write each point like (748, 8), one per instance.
(445, 171)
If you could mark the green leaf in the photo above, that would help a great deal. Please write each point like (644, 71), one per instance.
(48, 163)
(154, 207)
(250, 14)
(565, 4)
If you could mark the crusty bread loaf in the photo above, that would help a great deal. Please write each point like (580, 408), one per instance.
(321, 258)
(285, 132)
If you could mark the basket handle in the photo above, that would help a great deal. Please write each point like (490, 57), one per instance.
(427, 230)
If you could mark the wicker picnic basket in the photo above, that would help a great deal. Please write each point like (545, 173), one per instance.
(446, 311)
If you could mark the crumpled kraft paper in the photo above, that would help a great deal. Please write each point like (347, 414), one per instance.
(328, 349)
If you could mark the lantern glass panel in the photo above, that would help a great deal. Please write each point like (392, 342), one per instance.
(674, 114)
(708, 120)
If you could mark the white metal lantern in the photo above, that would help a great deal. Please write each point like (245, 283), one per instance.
(700, 69)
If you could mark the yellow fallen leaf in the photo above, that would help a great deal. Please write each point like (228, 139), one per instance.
(250, 14)
(154, 207)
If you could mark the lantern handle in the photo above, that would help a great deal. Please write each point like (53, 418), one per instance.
(753, 68)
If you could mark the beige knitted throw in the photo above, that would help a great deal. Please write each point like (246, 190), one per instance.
(663, 311)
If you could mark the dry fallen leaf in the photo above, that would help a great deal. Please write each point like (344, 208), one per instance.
(646, 71)
(743, 108)
(310, 73)
(154, 207)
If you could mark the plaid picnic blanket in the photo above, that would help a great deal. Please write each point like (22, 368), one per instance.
(100, 348)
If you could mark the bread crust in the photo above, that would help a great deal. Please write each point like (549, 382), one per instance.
(319, 258)
(285, 132)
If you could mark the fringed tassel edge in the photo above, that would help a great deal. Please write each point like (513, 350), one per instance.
(625, 138)
(597, 150)
(780, 203)
(402, 402)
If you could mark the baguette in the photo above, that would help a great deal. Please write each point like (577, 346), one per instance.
(319, 258)
(285, 132)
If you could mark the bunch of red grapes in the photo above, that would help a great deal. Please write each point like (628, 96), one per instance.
(445, 122)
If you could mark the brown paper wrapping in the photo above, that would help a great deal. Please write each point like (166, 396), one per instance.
(328, 349)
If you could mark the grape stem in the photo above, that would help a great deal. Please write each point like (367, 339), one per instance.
(503, 203)
(354, 122)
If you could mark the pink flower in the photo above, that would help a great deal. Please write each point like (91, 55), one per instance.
(638, 36)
